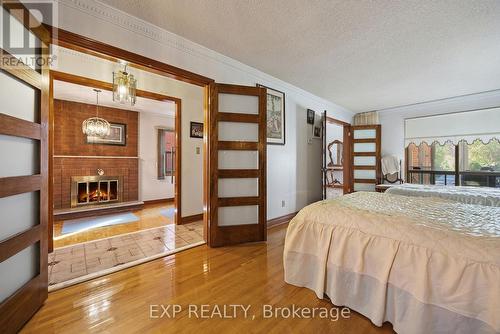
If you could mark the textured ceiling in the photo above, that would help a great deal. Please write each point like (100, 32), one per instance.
(363, 55)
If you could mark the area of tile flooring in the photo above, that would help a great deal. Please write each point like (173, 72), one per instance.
(73, 264)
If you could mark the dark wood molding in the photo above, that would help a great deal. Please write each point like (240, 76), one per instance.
(160, 201)
(235, 117)
(238, 145)
(14, 126)
(238, 173)
(18, 242)
(81, 43)
(281, 220)
(239, 201)
(19, 184)
(363, 167)
(365, 140)
(365, 181)
(84, 81)
(364, 154)
(191, 219)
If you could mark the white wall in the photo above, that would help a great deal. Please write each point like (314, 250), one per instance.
(392, 120)
(293, 169)
(150, 187)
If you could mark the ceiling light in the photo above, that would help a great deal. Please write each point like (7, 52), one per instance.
(96, 126)
(124, 87)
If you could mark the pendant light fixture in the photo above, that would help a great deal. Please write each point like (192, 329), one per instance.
(96, 126)
(124, 86)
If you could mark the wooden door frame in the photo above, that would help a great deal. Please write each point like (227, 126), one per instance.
(347, 142)
(84, 81)
(93, 47)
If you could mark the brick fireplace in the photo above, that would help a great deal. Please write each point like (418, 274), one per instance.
(76, 163)
(95, 190)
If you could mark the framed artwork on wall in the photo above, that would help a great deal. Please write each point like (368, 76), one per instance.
(310, 116)
(196, 130)
(117, 136)
(275, 116)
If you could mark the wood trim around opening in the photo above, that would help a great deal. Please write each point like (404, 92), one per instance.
(93, 47)
(75, 79)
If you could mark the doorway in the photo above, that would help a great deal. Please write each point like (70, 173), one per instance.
(336, 158)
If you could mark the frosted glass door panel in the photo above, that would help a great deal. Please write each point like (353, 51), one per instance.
(18, 270)
(21, 156)
(365, 134)
(238, 159)
(238, 187)
(364, 161)
(364, 174)
(237, 131)
(19, 213)
(18, 98)
(364, 187)
(243, 104)
(238, 215)
(364, 147)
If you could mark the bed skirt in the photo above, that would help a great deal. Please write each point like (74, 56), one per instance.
(416, 289)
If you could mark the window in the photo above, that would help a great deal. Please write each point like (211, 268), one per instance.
(166, 153)
(478, 163)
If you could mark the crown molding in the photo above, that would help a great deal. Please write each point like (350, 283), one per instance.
(148, 30)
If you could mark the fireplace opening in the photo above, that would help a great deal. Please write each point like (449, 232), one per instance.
(87, 190)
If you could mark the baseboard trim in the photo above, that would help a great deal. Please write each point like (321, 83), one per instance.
(190, 219)
(161, 200)
(280, 220)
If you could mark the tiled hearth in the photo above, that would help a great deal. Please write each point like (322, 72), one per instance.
(77, 263)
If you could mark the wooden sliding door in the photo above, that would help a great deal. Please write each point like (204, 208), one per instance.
(23, 169)
(237, 159)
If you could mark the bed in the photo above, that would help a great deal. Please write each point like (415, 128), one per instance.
(426, 265)
(468, 195)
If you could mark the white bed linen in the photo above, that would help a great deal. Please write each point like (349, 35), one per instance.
(426, 265)
(462, 194)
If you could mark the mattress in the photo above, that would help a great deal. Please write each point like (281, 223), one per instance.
(426, 265)
(469, 195)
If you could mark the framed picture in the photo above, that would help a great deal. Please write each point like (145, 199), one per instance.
(310, 116)
(196, 130)
(317, 132)
(275, 116)
(117, 136)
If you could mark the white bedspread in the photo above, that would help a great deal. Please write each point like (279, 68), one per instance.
(469, 195)
(426, 265)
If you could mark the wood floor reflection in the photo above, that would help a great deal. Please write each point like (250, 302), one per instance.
(149, 217)
(250, 274)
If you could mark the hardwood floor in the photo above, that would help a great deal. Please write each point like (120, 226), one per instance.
(250, 274)
(149, 217)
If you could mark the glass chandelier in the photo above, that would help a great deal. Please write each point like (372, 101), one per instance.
(124, 87)
(96, 126)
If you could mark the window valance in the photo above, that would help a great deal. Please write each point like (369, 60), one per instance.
(469, 126)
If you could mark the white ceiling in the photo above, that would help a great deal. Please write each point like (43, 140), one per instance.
(84, 94)
(363, 55)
